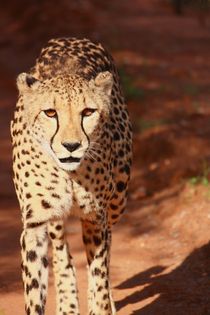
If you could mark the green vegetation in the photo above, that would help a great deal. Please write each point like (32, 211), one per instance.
(132, 92)
(196, 106)
(191, 89)
(144, 124)
(203, 178)
(201, 5)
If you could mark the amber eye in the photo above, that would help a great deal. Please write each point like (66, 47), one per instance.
(88, 111)
(50, 112)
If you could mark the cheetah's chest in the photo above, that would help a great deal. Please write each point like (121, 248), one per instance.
(84, 201)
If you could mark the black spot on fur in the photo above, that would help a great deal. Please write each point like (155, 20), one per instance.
(45, 261)
(35, 224)
(38, 309)
(97, 271)
(52, 235)
(120, 186)
(31, 255)
(72, 305)
(97, 240)
(58, 227)
(113, 207)
(45, 204)
(34, 284)
(29, 214)
(30, 80)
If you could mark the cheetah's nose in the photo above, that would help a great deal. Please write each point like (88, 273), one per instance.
(71, 146)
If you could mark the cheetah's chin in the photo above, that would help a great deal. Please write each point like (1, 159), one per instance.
(72, 166)
(70, 163)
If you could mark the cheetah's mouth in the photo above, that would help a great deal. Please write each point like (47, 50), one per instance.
(70, 159)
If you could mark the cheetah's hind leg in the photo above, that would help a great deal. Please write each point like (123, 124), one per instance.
(64, 272)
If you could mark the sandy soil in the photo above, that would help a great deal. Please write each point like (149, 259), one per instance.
(161, 251)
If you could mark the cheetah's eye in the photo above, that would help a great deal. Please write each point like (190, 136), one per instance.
(88, 112)
(50, 112)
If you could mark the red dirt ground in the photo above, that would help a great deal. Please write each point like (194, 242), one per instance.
(161, 251)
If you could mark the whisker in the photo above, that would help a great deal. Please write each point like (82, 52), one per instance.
(95, 144)
(90, 156)
(94, 153)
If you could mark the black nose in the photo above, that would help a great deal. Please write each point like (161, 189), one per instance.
(71, 146)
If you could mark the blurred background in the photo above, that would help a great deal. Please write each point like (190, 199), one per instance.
(161, 250)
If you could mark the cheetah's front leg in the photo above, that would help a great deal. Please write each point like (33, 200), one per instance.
(64, 272)
(97, 240)
(34, 244)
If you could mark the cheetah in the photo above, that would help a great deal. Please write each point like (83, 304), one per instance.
(72, 153)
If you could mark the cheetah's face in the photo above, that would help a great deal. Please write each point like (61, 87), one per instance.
(65, 115)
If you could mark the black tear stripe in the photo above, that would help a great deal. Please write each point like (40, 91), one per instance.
(58, 126)
(84, 131)
(83, 126)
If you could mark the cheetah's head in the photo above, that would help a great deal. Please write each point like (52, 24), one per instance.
(66, 114)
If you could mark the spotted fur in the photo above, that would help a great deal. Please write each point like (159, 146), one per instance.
(74, 161)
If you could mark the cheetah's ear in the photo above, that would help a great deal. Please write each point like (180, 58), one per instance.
(25, 82)
(104, 80)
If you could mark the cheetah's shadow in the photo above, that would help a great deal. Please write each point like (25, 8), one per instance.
(183, 291)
